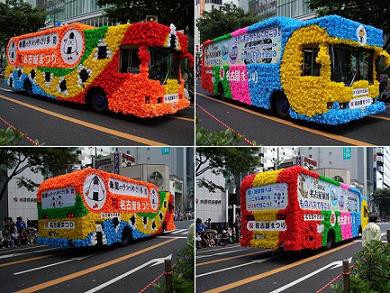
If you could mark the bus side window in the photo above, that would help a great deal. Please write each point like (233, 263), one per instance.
(129, 60)
(310, 66)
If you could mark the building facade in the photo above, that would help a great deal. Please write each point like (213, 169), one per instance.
(272, 157)
(298, 9)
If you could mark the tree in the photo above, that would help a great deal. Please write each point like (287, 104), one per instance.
(17, 18)
(372, 12)
(217, 138)
(180, 13)
(381, 198)
(47, 161)
(223, 20)
(231, 161)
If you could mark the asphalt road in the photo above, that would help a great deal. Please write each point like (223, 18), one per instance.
(46, 269)
(263, 128)
(54, 123)
(237, 269)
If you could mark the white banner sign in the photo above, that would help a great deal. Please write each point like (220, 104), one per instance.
(316, 194)
(58, 198)
(126, 188)
(66, 225)
(278, 225)
(273, 196)
(38, 42)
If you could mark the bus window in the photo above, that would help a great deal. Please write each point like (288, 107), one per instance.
(310, 66)
(129, 60)
(164, 64)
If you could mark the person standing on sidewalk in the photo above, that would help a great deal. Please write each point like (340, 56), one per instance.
(371, 232)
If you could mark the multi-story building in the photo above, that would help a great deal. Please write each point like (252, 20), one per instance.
(272, 157)
(68, 11)
(290, 8)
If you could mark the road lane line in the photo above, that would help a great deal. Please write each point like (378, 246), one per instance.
(172, 237)
(25, 253)
(220, 253)
(381, 117)
(274, 271)
(182, 118)
(91, 269)
(223, 248)
(234, 267)
(291, 124)
(24, 260)
(177, 231)
(87, 124)
(228, 258)
(43, 267)
(20, 249)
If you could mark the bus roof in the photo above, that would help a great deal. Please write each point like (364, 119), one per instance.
(77, 178)
(336, 26)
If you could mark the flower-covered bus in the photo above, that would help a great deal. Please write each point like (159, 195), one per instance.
(322, 70)
(130, 69)
(91, 207)
(297, 209)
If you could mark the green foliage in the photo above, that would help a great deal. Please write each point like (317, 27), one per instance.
(46, 161)
(231, 161)
(9, 136)
(381, 198)
(217, 138)
(183, 272)
(223, 20)
(372, 12)
(180, 13)
(78, 210)
(17, 18)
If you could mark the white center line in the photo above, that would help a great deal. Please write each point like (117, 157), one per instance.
(220, 253)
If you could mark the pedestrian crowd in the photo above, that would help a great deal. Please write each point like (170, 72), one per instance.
(15, 234)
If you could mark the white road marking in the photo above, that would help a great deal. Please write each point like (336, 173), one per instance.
(331, 266)
(152, 262)
(25, 253)
(223, 248)
(7, 90)
(50, 265)
(177, 231)
(237, 266)
(20, 249)
(220, 253)
(170, 237)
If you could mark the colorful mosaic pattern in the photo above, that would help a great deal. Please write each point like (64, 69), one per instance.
(256, 83)
(299, 233)
(89, 223)
(98, 68)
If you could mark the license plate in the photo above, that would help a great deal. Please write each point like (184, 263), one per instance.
(171, 98)
(360, 102)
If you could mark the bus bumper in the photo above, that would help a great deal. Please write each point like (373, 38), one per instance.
(161, 109)
(341, 116)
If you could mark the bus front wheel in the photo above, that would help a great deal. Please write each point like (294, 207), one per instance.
(28, 88)
(98, 101)
(281, 106)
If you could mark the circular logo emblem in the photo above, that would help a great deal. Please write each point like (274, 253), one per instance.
(154, 200)
(72, 45)
(95, 194)
(361, 35)
(11, 52)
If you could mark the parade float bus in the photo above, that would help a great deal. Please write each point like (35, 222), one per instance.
(297, 209)
(321, 70)
(130, 69)
(91, 207)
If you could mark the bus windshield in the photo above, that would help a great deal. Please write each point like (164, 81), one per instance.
(164, 64)
(350, 64)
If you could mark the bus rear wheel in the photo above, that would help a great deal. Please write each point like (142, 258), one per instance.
(98, 100)
(330, 240)
(126, 236)
(221, 93)
(281, 106)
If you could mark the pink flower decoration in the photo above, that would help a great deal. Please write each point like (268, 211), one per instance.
(238, 79)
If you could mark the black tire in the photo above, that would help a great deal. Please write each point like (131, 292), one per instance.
(330, 240)
(281, 106)
(98, 101)
(221, 93)
(28, 88)
(126, 236)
